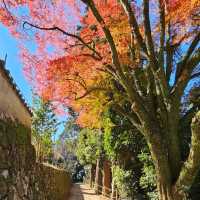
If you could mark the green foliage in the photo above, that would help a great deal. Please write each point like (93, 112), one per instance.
(122, 148)
(148, 178)
(89, 146)
(44, 127)
(120, 137)
(123, 180)
(108, 139)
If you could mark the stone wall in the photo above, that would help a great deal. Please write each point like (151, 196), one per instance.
(21, 178)
(55, 181)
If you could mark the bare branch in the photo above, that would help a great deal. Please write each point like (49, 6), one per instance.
(183, 80)
(55, 28)
(90, 55)
(162, 32)
(77, 44)
(170, 51)
(89, 91)
(147, 28)
(183, 64)
(8, 11)
(196, 75)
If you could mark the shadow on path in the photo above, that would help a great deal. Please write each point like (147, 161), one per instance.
(83, 192)
(76, 192)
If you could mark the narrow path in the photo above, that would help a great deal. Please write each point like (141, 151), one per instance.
(83, 192)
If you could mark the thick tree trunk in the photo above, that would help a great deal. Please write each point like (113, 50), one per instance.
(168, 189)
(164, 191)
(159, 153)
(167, 192)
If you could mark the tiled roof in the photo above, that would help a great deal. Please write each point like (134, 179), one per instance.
(14, 85)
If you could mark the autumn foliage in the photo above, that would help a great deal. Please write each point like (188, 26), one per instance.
(62, 68)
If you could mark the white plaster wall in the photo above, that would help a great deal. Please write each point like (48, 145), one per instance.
(10, 104)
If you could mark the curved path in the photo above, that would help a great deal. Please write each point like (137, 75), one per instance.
(84, 192)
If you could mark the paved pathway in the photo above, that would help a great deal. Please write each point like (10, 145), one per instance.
(83, 192)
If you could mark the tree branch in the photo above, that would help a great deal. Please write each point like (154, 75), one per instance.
(183, 64)
(138, 106)
(170, 50)
(106, 31)
(133, 23)
(162, 32)
(192, 164)
(169, 60)
(158, 68)
(89, 91)
(187, 118)
(90, 55)
(6, 8)
(147, 29)
(196, 75)
(183, 80)
(55, 28)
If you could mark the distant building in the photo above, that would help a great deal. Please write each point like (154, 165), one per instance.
(12, 104)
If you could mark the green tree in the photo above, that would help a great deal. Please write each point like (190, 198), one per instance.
(44, 127)
(90, 146)
(122, 149)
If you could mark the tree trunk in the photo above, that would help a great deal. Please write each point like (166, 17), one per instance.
(106, 178)
(159, 153)
(174, 148)
(166, 192)
(92, 175)
(98, 177)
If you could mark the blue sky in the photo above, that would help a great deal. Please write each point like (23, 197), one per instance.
(8, 45)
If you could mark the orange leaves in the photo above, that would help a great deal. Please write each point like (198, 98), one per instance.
(6, 18)
(71, 69)
(71, 66)
(182, 10)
